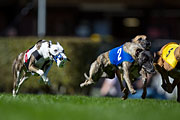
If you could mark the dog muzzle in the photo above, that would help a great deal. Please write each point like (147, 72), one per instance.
(60, 59)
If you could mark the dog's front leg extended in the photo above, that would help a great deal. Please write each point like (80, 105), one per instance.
(123, 89)
(46, 69)
(32, 68)
(126, 66)
(144, 79)
(166, 85)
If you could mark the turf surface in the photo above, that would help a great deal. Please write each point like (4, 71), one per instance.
(57, 107)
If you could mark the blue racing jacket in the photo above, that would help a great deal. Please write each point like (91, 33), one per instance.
(118, 55)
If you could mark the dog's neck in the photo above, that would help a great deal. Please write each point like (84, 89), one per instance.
(44, 51)
(132, 48)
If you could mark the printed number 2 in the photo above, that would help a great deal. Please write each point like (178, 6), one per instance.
(119, 53)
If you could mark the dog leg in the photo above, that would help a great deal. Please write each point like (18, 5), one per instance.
(124, 90)
(19, 80)
(173, 85)
(126, 66)
(166, 85)
(144, 89)
(16, 81)
(44, 76)
(178, 92)
(92, 72)
(87, 81)
(20, 83)
(144, 79)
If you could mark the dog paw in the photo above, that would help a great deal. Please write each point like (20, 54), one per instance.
(133, 91)
(40, 72)
(48, 83)
(14, 93)
(143, 96)
(124, 97)
(167, 88)
(45, 80)
(125, 91)
(82, 85)
(86, 83)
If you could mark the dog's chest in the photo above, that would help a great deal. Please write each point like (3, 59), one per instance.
(40, 63)
(133, 71)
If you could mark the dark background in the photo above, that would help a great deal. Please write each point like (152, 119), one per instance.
(155, 18)
(85, 28)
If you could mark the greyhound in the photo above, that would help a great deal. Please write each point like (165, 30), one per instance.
(37, 61)
(121, 60)
(167, 64)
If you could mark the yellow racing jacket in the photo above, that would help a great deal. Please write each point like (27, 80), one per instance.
(168, 54)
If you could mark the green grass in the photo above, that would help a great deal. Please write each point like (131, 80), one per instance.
(57, 107)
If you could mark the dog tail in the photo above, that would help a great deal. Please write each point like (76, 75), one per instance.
(85, 75)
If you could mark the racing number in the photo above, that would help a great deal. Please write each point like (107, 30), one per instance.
(169, 52)
(119, 53)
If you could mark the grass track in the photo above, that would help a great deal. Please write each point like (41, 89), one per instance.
(57, 107)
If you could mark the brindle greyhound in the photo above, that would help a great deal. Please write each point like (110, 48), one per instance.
(37, 61)
(141, 40)
(167, 64)
(121, 60)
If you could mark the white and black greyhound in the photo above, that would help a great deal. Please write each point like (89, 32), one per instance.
(37, 61)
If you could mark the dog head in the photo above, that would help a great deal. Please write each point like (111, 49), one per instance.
(141, 39)
(57, 52)
(145, 60)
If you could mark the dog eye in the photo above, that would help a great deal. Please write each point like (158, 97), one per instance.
(140, 39)
(55, 50)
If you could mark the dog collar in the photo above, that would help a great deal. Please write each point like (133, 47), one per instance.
(59, 56)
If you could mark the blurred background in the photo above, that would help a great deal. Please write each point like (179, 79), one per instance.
(85, 28)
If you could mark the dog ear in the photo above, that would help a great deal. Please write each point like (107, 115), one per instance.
(138, 51)
(139, 38)
(58, 43)
(49, 43)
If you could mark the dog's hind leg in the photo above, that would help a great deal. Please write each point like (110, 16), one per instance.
(20, 83)
(94, 69)
(17, 79)
(16, 82)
